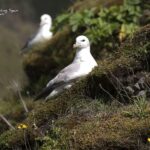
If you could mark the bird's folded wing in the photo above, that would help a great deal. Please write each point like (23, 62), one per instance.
(29, 41)
(25, 47)
(68, 74)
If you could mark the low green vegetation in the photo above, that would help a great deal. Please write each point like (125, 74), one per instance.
(140, 109)
(102, 23)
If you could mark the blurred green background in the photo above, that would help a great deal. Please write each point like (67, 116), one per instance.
(15, 29)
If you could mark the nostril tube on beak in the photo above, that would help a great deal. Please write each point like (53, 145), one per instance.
(75, 45)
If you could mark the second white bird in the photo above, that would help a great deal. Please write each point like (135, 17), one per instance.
(43, 34)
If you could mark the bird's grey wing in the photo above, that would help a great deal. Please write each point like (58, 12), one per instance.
(27, 44)
(66, 75)
(24, 49)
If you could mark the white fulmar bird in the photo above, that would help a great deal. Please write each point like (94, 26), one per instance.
(82, 65)
(43, 34)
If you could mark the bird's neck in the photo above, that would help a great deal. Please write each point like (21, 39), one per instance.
(45, 27)
(82, 54)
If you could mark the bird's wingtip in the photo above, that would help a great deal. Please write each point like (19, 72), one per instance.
(43, 94)
(23, 51)
(37, 97)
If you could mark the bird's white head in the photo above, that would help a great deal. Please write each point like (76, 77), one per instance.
(46, 20)
(81, 42)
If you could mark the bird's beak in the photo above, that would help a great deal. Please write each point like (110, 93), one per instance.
(42, 23)
(75, 45)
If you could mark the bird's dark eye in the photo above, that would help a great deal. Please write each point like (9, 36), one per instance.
(83, 40)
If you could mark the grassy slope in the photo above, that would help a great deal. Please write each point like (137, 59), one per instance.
(80, 122)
